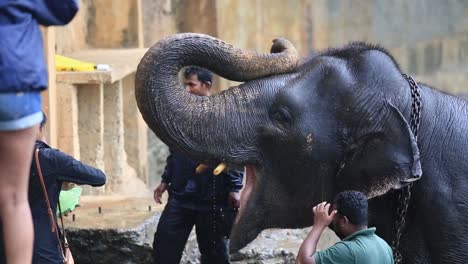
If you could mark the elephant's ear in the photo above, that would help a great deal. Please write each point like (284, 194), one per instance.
(382, 160)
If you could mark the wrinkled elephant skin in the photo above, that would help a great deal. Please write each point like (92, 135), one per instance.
(307, 129)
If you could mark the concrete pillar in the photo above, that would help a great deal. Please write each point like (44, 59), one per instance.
(67, 120)
(121, 178)
(91, 129)
(135, 131)
(114, 159)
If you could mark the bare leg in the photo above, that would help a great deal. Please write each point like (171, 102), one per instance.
(16, 150)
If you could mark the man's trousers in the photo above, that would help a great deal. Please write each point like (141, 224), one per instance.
(174, 228)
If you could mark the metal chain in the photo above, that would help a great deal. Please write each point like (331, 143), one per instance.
(404, 195)
(415, 106)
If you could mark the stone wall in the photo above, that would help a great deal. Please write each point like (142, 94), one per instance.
(72, 37)
(101, 24)
(427, 37)
(393, 23)
(158, 20)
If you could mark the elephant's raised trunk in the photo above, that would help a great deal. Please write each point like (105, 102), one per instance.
(188, 122)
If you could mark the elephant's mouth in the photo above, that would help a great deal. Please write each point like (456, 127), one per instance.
(250, 181)
(250, 219)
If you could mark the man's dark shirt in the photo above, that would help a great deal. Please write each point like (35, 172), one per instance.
(196, 191)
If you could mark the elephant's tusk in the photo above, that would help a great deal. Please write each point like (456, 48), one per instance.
(220, 168)
(201, 168)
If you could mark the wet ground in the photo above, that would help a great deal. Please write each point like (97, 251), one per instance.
(134, 219)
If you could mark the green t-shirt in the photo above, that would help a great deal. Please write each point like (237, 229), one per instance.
(363, 247)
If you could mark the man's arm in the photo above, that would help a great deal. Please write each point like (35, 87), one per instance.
(166, 178)
(306, 254)
(322, 219)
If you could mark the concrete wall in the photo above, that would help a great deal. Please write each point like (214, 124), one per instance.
(158, 20)
(425, 36)
(113, 24)
(73, 36)
(396, 22)
(101, 24)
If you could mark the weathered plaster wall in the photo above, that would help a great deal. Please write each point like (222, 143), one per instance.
(427, 37)
(158, 20)
(113, 24)
(100, 24)
(73, 36)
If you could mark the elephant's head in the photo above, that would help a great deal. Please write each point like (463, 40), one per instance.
(305, 131)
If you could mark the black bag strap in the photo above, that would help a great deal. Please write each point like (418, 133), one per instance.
(64, 232)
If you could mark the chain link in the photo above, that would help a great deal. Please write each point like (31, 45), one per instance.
(404, 195)
(415, 106)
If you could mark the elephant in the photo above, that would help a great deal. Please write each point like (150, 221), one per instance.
(306, 129)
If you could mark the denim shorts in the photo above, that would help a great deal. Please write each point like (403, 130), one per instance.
(19, 111)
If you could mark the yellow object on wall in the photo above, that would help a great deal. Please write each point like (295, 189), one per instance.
(63, 63)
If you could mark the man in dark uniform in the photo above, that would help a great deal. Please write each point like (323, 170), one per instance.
(198, 199)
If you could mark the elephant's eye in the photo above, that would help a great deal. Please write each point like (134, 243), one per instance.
(281, 116)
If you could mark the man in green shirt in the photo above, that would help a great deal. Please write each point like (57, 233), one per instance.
(359, 243)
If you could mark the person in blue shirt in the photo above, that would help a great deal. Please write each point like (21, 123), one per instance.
(23, 75)
(195, 199)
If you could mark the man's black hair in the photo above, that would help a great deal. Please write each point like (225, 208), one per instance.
(353, 205)
(203, 74)
(44, 120)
